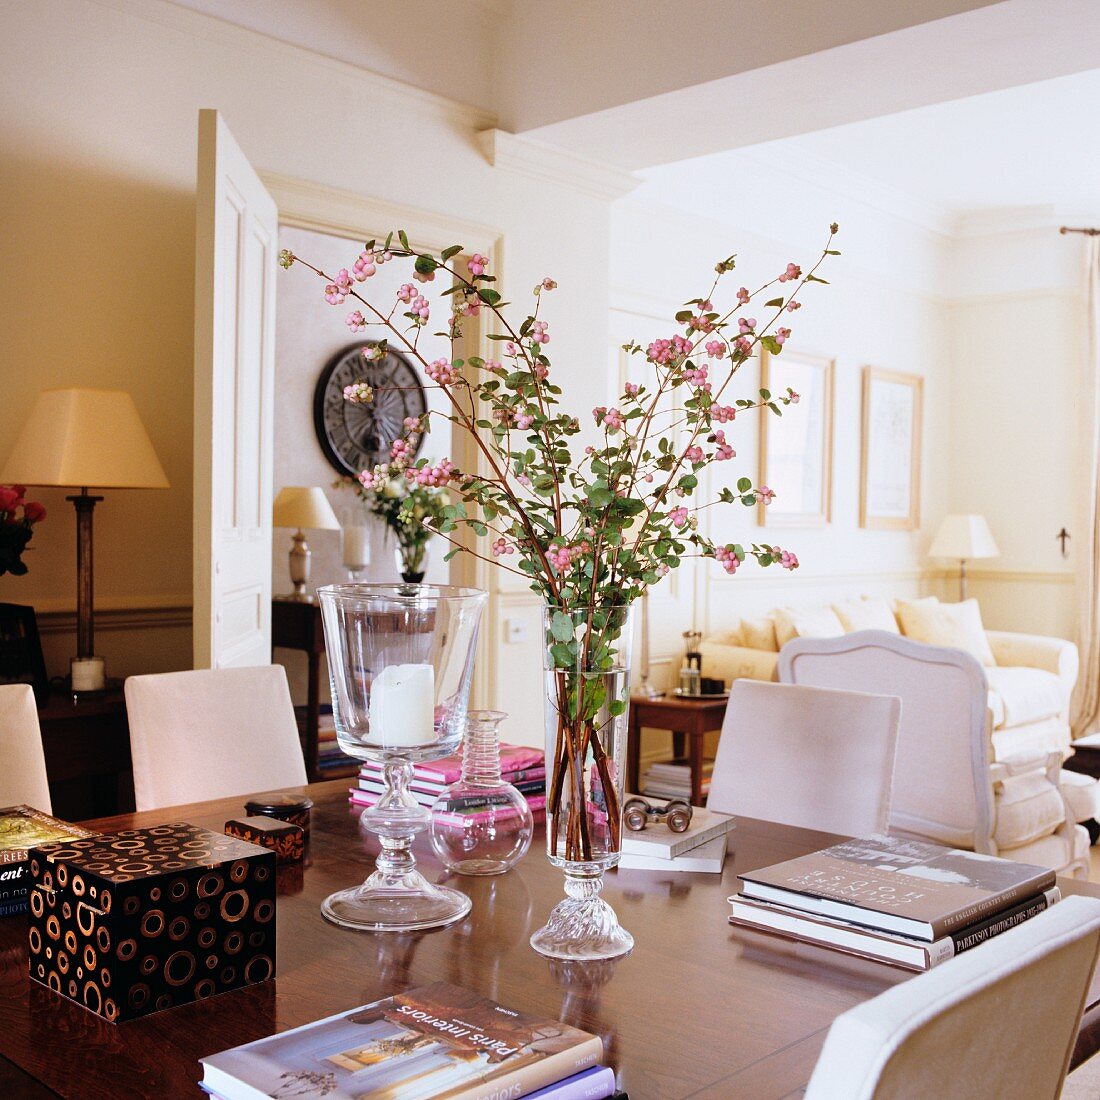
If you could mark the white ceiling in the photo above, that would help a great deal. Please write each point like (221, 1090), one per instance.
(1035, 146)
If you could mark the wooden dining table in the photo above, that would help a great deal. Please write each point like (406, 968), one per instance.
(699, 1008)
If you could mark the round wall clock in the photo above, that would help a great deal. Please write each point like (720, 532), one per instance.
(358, 437)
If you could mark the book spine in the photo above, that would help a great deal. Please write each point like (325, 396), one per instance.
(590, 1084)
(537, 1075)
(993, 906)
(964, 940)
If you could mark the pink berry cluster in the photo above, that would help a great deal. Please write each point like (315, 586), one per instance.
(546, 284)
(697, 376)
(793, 272)
(338, 290)
(376, 478)
(679, 516)
(440, 474)
(563, 557)
(402, 450)
(694, 453)
(420, 310)
(359, 393)
(668, 352)
(727, 558)
(782, 335)
(406, 292)
(724, 450)
(441, 371)
(356, 321)
(764, 495)
(538, 333)
(743, 295)
(611, 419)
(716, 348)
(722, 414)
(500, 548)
(478, 264)
(787, 558)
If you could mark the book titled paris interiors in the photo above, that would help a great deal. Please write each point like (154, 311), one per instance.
(439, 1041)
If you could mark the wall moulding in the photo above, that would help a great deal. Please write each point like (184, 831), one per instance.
(113, 619)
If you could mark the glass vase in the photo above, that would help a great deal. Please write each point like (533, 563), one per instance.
(481, 825)
(412, 561)
(400, 660)
(587, 667)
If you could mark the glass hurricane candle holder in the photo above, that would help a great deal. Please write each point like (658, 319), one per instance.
(400, 660)
(481, 825)
(354, 540)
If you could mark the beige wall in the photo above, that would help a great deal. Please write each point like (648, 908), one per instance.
(97, 169)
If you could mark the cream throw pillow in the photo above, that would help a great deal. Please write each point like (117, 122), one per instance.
(958, 625)
(806, 622)
(870, 613)
(759, 634)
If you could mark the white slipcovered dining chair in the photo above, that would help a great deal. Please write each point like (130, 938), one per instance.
(947, 788)
(809, 757)
(23, 771)
(999, 1021)
(212, 733)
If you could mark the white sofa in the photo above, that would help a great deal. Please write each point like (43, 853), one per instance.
(1029, 687)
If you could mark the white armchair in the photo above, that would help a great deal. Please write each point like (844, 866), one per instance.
(947, 786)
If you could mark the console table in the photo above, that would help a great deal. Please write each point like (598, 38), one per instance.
(699, 1008)
(683, 717)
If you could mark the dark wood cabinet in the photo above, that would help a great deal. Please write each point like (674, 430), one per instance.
(87, 746)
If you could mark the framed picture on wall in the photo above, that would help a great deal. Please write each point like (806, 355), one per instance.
(796, 449)
(889, 495)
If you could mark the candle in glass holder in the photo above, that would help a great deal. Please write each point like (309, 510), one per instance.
(356, 548)
(402, 705)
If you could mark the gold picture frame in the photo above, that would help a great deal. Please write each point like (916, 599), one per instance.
(890, 450)
(796, 449)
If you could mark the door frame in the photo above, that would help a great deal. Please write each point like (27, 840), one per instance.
(340, 213)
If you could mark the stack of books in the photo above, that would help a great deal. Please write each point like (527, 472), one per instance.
(330, 757)
(672, 779)
(658, 848)
(908, 903)
(437, 1041)
(520, 765)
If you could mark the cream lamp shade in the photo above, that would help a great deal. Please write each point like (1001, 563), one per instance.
(304, 507)
(84, 438)
(964, 538)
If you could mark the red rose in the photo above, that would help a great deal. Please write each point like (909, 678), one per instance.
(10, 498)
(33, 512)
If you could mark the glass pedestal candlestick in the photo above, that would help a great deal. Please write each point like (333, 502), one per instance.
(400, 662)
(481, 825)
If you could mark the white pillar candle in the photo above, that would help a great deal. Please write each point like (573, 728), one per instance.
(402, 705)
(356, 547)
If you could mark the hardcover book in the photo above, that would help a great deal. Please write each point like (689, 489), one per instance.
(896, 950)
(660, 842)
(23, 828)
(908, 887)
(709, 857)
(448, 769)
(439, 1041)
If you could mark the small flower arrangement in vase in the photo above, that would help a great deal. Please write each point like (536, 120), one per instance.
(18, 517)
(590, 516)
(411, 512)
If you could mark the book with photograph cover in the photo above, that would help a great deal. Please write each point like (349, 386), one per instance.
(23, 828)
(660, 842)
(439, 1041)
(909, 887)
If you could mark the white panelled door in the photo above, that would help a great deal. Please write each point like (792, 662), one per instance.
(236, 241)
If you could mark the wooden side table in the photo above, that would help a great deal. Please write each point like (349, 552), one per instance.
(683, 717)
(87, 747)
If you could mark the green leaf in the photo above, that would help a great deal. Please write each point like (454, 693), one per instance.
(772, 345)
(816, 279)
(488, 296)
(561, 626)
(775, 302)
(684, 315)
(403, 238)
(447, 253)
(425, 265)
(616, 707)
(743, 485)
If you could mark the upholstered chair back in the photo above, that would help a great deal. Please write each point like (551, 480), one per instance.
(22, 761)
(942, 788)
(212, 733)
(816, 758)
(999, 1021)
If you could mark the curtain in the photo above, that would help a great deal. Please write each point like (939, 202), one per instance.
(1086, 710)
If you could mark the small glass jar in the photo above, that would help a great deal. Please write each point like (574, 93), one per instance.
(481, 825)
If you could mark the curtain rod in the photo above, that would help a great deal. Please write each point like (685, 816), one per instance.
(1088, 231)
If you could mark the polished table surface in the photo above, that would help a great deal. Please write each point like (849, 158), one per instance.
(698, 1009)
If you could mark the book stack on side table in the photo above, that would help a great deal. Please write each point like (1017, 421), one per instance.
(438, 1041)
(672, 779)
(330, 757)
(904, 902)
(657, 848)
(520, 765)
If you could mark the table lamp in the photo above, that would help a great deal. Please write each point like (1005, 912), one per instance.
(964, 537)
(302, 507)
(81, 439)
